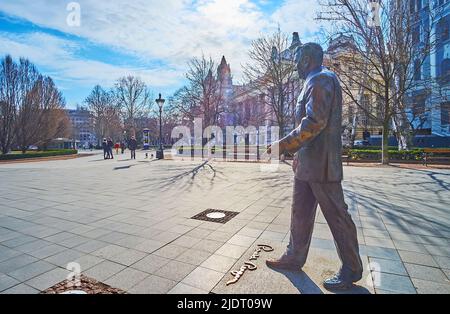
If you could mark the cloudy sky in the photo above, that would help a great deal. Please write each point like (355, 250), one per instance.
(152, 39)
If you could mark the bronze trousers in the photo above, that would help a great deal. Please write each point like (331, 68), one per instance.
(330, 197)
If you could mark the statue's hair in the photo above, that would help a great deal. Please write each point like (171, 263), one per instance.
(313, 50)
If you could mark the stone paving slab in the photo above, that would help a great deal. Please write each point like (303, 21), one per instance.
(48, 279)
(21, 289)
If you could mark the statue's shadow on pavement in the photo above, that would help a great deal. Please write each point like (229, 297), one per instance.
(305, 285)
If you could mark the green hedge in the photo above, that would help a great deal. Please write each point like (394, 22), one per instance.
(373, 148)
(50, 153)
(368, 154)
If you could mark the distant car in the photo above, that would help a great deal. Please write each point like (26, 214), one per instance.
(345, 142)
(33, 147)
(361, 143)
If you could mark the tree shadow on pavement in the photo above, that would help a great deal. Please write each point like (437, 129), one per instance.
(185, 180)
(413, 210)
(433, 176)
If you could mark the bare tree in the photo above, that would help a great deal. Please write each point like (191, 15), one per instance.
(134, 99)
(8, 102)
(113, 122)
(62, 125)
(53, 120)
(388, 50)
(272, 73)
(105, 113)
(28, 111)
(31, 106)
(202, 97)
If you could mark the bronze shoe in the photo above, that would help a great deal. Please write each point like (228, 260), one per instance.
(284, 263)
(339, 282)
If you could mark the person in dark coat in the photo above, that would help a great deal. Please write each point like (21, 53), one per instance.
(122, 147)
(105, 149)
(132, 146)
(110, 148)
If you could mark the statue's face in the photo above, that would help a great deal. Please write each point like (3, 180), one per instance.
(303, 63)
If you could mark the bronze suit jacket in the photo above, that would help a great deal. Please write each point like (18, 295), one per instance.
(318, 137)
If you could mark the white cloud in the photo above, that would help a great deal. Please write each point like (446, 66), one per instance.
(171, 31)
(299, 16)
(57, 55)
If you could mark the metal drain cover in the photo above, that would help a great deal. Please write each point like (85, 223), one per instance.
(74, 292)
(215, 215)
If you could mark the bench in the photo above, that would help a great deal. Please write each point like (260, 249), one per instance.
(435, 154)
(347, 158)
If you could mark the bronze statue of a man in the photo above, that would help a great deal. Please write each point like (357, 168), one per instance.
(318, 171)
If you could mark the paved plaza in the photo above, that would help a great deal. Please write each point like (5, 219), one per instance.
(128, 224)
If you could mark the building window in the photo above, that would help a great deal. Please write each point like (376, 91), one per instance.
(412, 6)
(445, 70)
(418, 108)
(440, 2)
(445, 113)
(416, 35)
(443, 30)
(417, 70)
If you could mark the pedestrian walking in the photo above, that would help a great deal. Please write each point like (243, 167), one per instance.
(110, 148)
(105, 149)
(132, 146)
(122, 147)
(116, 147)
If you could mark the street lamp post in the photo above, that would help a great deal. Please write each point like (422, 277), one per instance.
(160, 153)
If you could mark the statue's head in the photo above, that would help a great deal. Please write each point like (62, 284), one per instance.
(308, 57)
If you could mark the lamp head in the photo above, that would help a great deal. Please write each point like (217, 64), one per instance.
(160, 101)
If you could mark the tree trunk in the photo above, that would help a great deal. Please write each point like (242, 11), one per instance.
(354, 128)
(403, 131)
(281, 130)
(385, 144)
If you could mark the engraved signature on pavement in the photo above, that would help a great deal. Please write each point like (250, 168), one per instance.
(248, 265)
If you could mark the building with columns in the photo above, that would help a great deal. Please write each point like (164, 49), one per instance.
(355, 121)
